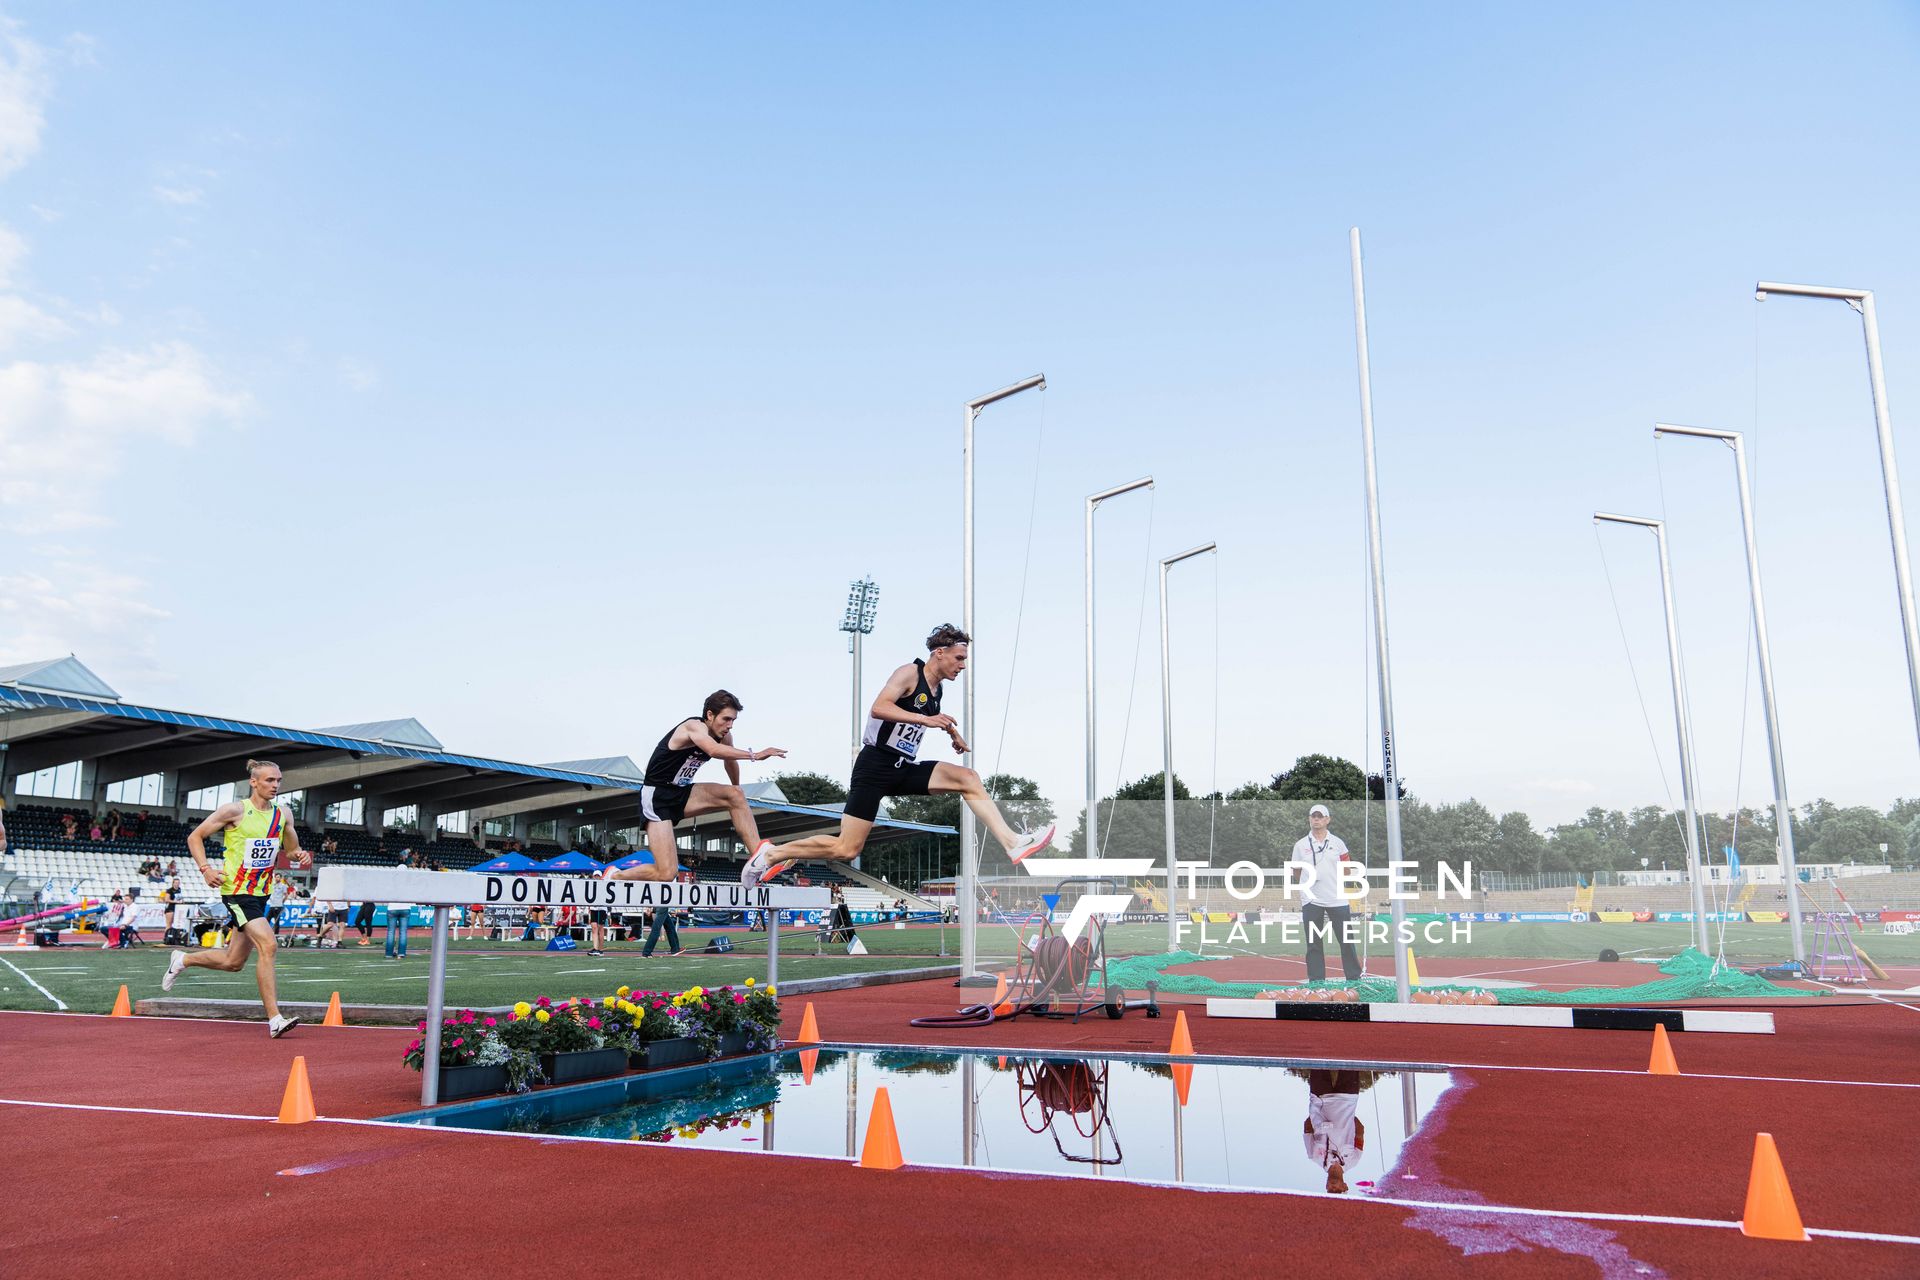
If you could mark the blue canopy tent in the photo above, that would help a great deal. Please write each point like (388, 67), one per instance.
(643, 858)
(512, 863)
(574, 861)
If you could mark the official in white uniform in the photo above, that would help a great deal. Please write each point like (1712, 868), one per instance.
(1324, 911)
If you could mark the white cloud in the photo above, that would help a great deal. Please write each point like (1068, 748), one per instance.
(68, 420)
(21, 320)
(358, 374)
(75, 606)
(24, 87)
(83, 50)
(13, 251)
(178, 195)
(45, 214)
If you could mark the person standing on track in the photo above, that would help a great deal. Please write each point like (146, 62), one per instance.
(257, 833)
(1326, 910)
(668, 792)
(888, 764)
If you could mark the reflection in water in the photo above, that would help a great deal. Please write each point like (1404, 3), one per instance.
(1325, 1129)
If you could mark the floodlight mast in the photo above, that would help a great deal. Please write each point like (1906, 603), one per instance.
(863, 603)
(1093, 782)
(1782, 812)
(1861, 300)
(1166, 736)
(969, 943)
(1695, 858)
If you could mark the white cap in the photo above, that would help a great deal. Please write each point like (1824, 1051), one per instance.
(1319, 809)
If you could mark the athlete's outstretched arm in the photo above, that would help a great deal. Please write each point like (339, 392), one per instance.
(217, 821)
(719, 750)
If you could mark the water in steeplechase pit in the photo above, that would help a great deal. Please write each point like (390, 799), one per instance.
(1244, 1125)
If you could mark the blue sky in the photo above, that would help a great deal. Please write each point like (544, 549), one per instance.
(535, 372)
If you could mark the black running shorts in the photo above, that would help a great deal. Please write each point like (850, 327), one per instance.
(879, 773)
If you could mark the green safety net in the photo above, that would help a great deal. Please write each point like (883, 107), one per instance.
(1691, 975)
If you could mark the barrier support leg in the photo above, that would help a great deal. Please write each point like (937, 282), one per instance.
(773, 949)
(436, 1010)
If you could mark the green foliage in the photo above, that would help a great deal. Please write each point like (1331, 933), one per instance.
(1856, 835)
(810, 788)
(1321, 779)
(1020, 801)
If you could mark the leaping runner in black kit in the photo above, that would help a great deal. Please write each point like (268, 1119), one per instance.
(668, 792)
(888, 763)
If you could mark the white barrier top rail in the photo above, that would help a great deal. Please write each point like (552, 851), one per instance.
(467, 888)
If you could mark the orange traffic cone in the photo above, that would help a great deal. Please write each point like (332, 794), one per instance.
(333, 1018)
(1182, 1080)
(1662, 1063)
(1182, 1046)
(1001, 1060)
(1002, 1007)
(1771, 1213)
(809, 1029)
(1413, 970)
(809, 1058)
(296, 1105)
(121, 1007)
(882, 1147)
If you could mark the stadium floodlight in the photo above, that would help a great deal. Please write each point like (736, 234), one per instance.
(1782, 812)
(968, 825)
(1093, 769)
(1861, 300)
(1694, 857)
(863, 604)
(1166, 732)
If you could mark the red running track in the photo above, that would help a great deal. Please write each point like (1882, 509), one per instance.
(383, 1200)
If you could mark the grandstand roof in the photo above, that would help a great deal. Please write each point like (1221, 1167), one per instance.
(408, 733)
(397, 762)
(58, 675)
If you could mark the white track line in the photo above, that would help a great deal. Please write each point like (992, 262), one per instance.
(58, 1003)
(1664, 1220)
(231, 1022)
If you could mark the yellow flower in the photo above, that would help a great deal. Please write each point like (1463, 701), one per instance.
(542, 1016)
(749, 981)
(625, 991)
(771, 991)
(608, 1003)
(522, 1009)
(694, 993)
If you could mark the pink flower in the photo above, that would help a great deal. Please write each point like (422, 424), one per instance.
(490, 1022)
(594, 1023)
(739, 999)
(458, 1041)
(544, 1003)
(446, 1022)
(420, 1025)
(414, 1047)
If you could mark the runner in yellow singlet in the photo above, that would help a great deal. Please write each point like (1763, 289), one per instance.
(257, 831)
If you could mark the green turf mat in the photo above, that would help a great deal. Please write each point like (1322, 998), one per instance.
(1689, 976)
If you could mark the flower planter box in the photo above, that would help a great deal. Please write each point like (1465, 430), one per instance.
(674, 1052)
(733, 1043)
(471, 1082)
(585, 1064)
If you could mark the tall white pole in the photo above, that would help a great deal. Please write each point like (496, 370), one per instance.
(1376, 561)
(1166, 747)
(969, 856)
(1861, 300)
(1093, 769)
(859, 709)
(1681, 723)
(1782, 812)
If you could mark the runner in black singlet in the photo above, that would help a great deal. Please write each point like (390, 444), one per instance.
(668, 792)
(888, 763)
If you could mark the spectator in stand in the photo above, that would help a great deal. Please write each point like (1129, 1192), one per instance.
(802, 879)
(94, 832)
(69, 826)
(173, 868)
(330, 848)
(140, 829)
(111, 824)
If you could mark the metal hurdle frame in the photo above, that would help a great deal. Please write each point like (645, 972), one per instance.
(444, 890)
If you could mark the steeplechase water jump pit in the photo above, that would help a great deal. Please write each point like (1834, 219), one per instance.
(1252, 1124)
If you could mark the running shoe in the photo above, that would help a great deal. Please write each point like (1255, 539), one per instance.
(596, 953)
(755, 869)
(175, 964)
(278, 1027)
(773, 871)
(1032, 843)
